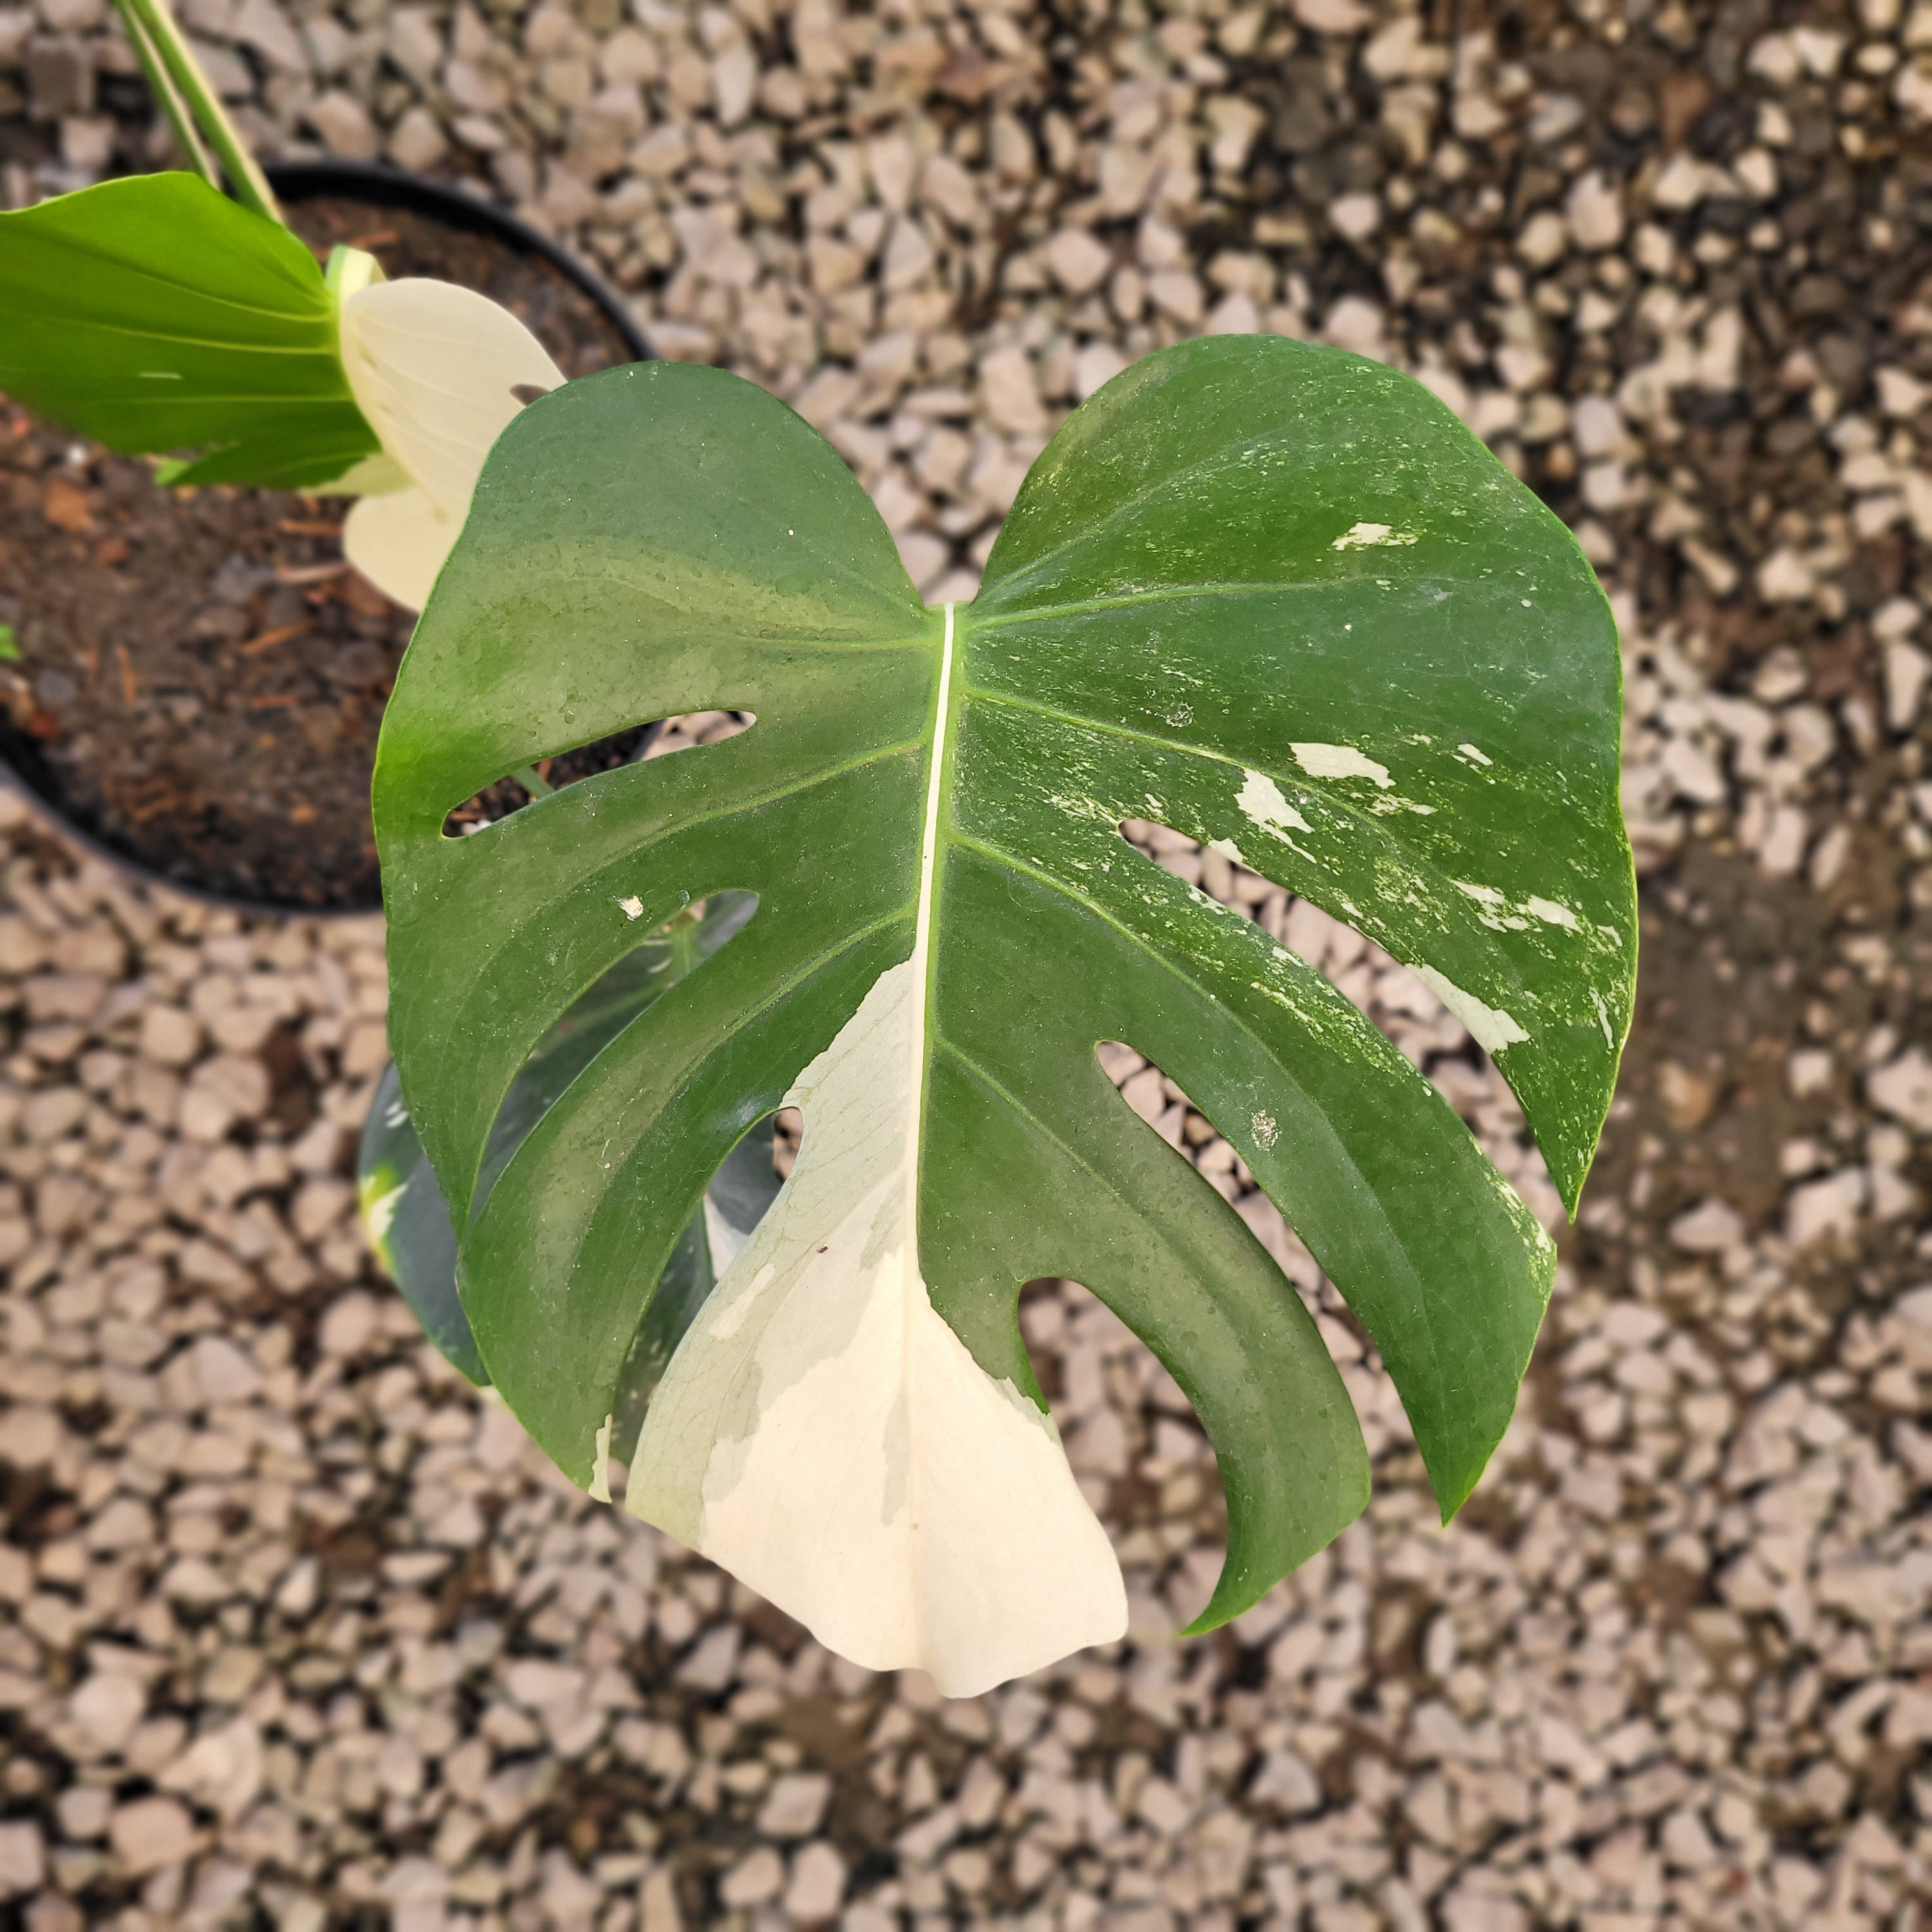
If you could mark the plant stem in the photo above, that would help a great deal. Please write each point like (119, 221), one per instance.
(246, 180)
(160, 84)
(536, 786)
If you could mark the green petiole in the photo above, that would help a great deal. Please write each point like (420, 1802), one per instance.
(191, 104)
(161, 83)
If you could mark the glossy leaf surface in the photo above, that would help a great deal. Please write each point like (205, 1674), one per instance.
(407, 1222)
(154, 314)
(1274, 596)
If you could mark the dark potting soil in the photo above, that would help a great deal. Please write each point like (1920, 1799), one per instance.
(200, 677)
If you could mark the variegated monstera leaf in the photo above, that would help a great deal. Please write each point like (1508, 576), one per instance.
(1272, 596)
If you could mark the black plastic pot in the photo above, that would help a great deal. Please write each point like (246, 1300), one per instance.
(27, 774)
(298, 181)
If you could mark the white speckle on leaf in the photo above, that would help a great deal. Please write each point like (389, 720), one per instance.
(1603, 1019)
(632, 908)
(1494, 914)
(1551, 914)
(1228, 849)
(1265, 1132)
(1340, 761)
(1470, 755)
(1367, 536)
(600, 1467)
(1261, 803)
(1489, 1027)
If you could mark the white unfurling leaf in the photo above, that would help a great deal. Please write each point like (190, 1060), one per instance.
(435, 369)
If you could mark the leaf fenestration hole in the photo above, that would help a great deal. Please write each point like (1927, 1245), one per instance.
(636, 742)
(1433, 1039)
(1164, 1105)
(1137, 1452)
(787, 1137)
(737, 1196)
(1174, 1473)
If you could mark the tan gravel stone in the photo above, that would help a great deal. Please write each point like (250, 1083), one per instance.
(150, 1834)
(220, 1092)
(169, 1036)
(1079, 262)
(344, 126)
(22, 1858)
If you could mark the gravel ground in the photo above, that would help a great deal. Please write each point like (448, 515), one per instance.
(298, 1630)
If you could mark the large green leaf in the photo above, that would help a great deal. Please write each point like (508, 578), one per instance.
(154, 314)
(1272, 596)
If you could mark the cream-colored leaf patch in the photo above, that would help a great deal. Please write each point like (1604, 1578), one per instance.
(823, 1434)
(378, 1205)
(1370, 536)
(1260, 799)
(600, 1467)
(1603, 1019)
(399, 543)
(1340, 761)
(1552, 912)
(1490, 1027)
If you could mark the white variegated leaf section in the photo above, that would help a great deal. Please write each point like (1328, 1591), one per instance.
(435, 369)
(823, 1433)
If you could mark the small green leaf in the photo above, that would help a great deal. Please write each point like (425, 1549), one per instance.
(10, 647)
(1273, 596)
(154, 314)
(408, 1223)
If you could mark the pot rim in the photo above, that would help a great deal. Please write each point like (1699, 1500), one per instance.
(386, 186)
(464, 207)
